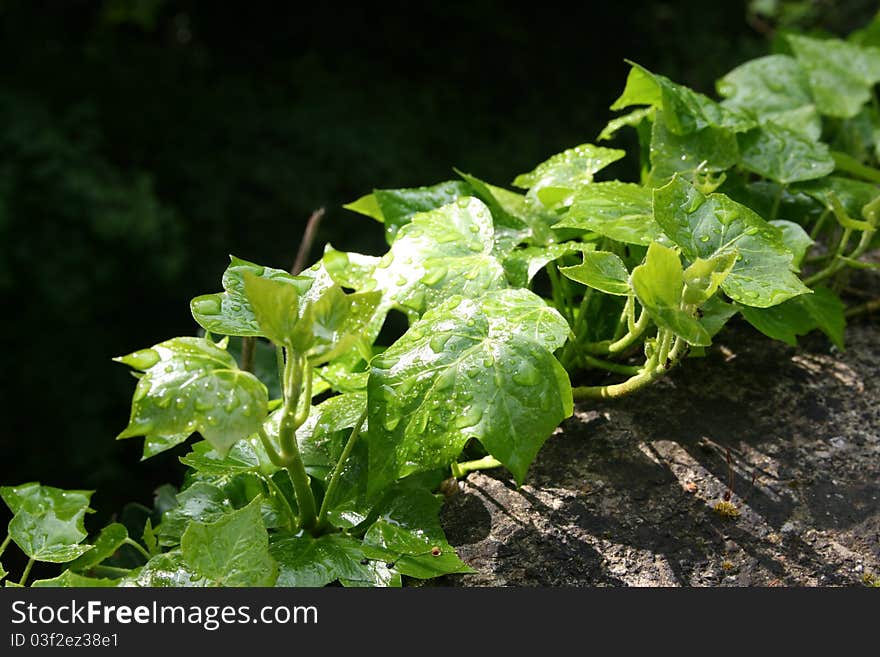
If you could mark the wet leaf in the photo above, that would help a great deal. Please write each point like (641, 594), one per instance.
(48, 522)
(167, 569)
(408, 534)
(202, 502)
(708, 149)
(189, 385)
(439, 253)
(659, 284)
(706, 226)
(853, 195)
(795, 238)
(618, 210)
(684, 110)
(230, 312)
(396, 207)
(231, 551)
(601, 270)
(70, 580)
(633, 118)
(782, 155)
(704, 276)
(468, 369)
(555, 180)
(522, 265)
(111, 538)
(308, 561)
(773, 88)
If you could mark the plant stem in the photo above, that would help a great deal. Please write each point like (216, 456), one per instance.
(863, 309)
(817, 227)
(337, 469)
(625, 342)
(27, 571)
(5, 544)
(625, 323)
(652, 370)
(279, 363)
(112, 571)
(137, 546)
(308, 238)
(291, 420)
(777, 200)
(291, 516)
(556, 290)
(248, 353)
(566, 356)
(593, 361)
(485, 463)
(837, 263)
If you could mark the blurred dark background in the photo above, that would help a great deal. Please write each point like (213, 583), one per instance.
(142, 141)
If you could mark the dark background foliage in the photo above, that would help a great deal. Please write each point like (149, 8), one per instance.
(142, 141)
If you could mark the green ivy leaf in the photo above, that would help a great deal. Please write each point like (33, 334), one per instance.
(321, 328)
(716, 313)
(230, 312)
(244, 456)
(684, 110)
(468, 369)
(709, 149)
(202, 502)
(783, 155)
(853, 195)
(111, 538)
(323, 434)
(555, 180)
(509, 209)
(275, 306)
(231, 551)
(659, 284)
(71, 580)
(821, 310)
(337, 322)
(704, 276)
(601, 270)
(795, 238)
(618, 210)
(439, 253)
(157, 443)
(840, 74)
(396, 207)
(191, 384)
(345, 373)
(408, 534)
(167, 569)
(706, 226)
(633, 118)
(312, 562)
(829, 313)
(773, 88)
(522, 265)
(48, 522)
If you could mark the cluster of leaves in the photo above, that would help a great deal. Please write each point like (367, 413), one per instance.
(320, 464)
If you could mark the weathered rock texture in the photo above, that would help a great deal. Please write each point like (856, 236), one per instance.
(624, 493)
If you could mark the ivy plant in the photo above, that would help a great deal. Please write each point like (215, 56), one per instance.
(319, 461)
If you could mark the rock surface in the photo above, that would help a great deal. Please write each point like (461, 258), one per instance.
(624, 493)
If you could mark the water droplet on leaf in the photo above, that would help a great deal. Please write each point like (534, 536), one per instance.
(207, 305)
